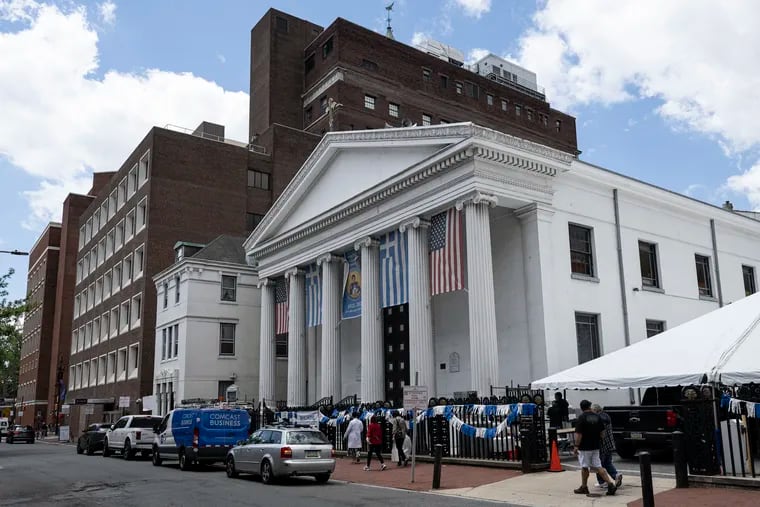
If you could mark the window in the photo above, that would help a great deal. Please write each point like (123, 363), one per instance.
(80, 343)
(104, 326)
(459, 87)
(252, 220)
(88, 231)
(119, 235)
(93, 372)
(471, 89)
(101, 251)
(85, 374)
(116, 277)
(176, 340)
(648, 261)
(111, 368)
(78, 377)
(229, 288)
(110, 243)
(95, 222)
(80, 270)
(369, 102)
(78, 305)
(72, 377)
(169, 334)
(107, 285)
(132, 181)
(98, 290)
(102, 361)
(114, 321)
(126, 272)
(393, 110)
(489, 99)
(112, 203)
(91, 296)
(444, 81)
(124, 314)
(529, 114)
(81, 236)
(327, 48)
(163, 344)
(74, 340)
(122, 192)
(426, 74)
(518, 110)
(426, 119)
(581, 255)
(139, 261)
(142, 214)
(258, 179)
(222, 388)
(654, 327)
(558, 125)
(308, 64)
(503, 105)
(307, 117)
(227, 339)
(121, 364)
(144, 168)
(132, 360)
(369, 64)
(704, 279)
(176, 289)
(281, 346)
(587, 334)
(166, 294)
(130, 224)
(88, 335)
(323, 105)
(136, 311)
(748, 273)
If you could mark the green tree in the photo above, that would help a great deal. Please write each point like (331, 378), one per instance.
(11, 315)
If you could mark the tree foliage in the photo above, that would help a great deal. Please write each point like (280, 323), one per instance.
(11, 317)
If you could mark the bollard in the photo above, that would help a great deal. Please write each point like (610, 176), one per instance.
(679, 460)
(526, 450)
(437, 466)
(647, 490)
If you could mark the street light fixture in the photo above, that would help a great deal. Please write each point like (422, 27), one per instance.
(14, 252)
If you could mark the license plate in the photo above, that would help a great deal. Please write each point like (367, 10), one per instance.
(637, 436)
(312, 454)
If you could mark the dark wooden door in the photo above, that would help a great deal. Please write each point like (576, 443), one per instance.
(396, 342)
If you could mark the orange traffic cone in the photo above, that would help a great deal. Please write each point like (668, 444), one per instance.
(554, 464)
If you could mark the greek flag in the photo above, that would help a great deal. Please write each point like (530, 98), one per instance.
(394, 257)
(313, 296)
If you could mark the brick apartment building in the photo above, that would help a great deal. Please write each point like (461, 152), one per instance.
(194, 186)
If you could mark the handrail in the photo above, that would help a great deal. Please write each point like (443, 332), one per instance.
(211, 137)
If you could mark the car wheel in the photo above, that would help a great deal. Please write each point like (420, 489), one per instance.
(79, 448)
(231, 472)
(127, 453)
(185, 463)
(156, 458)
(106, 449)
(322, 478)
(267, 474)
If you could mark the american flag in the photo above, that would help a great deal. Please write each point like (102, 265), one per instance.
(394, 283)
(446, 272)
(281, 306)
(313, 296)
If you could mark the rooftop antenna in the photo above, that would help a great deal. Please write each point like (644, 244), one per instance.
(389, 30)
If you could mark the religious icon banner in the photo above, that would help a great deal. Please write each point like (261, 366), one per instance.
(352, 287)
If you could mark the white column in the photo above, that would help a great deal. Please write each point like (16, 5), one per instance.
(421, 348)
(296, 338)
(535, 223)
(484, 350)
(267, 344)
(373, 374)
(332, 271)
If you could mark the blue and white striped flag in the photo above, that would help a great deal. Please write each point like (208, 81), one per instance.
(394, 258)
(313, 296)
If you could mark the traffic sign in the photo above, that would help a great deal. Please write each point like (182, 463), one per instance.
(415, 397)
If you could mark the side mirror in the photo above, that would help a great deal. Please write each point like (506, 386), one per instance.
(113, 426)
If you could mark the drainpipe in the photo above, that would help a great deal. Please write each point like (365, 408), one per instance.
(621, 273)
(717, 265)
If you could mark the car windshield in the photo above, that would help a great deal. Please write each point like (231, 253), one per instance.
(145, 422)
(306, 437)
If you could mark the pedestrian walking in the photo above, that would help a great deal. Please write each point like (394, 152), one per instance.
(588, 436)
(399, 435)
(354, 437)
(375, 442)
(564, 406)
(607, 449)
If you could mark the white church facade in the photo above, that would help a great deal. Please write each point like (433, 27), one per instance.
(469, 259)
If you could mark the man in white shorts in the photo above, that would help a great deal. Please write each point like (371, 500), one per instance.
(588, 437)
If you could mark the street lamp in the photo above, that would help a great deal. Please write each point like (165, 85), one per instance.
(14, 252)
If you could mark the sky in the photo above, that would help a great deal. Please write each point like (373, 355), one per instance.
(666, 92)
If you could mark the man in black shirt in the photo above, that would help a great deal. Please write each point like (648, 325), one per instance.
(564, 406)
(588, 437)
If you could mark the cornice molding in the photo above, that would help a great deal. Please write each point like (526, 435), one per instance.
(319, 88)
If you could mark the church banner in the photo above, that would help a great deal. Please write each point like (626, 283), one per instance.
(352, 287)
(394, 259)
(313, 288)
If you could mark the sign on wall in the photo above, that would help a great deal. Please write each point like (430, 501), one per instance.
(124, 401)
(415, 397)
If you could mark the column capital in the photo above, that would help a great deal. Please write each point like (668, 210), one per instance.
(535, 211)
(265, 282)
(293, 272)
(414, 223)
(323, 259)
(368, 242)
(489, 200)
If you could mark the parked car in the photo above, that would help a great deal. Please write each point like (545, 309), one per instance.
(131, 434)
(649, 426)
(92, 438)
(3, 427)
(20, 433)
(199, 435)
(274, 452)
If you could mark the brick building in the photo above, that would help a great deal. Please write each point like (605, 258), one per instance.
(32, 397)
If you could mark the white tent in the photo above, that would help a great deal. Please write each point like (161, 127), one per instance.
(721, 346)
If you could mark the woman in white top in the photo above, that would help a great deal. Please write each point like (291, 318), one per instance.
(353, 437)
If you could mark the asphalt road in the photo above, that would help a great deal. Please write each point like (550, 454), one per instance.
(47, 474)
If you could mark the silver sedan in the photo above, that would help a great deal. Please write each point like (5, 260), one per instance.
(274, 452)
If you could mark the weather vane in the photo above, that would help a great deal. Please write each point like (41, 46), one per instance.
(389, 30)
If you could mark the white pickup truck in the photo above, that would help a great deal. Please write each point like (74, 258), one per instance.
(131, 434)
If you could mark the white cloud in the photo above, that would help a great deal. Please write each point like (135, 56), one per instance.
(747, 183)
(474, 8)
(107, 12)
(222, 59)
(419, 38)
(60, 133)
(476, 54)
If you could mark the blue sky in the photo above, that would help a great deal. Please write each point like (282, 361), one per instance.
(670, 102)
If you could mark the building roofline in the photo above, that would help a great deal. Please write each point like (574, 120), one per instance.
(42, 234)
(203, 262)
